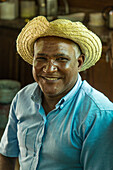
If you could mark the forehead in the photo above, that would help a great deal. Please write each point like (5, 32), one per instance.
(50, 40)
(53, 43)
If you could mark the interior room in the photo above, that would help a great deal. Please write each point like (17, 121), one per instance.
(14, 14)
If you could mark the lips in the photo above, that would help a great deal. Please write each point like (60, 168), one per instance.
(50, 78)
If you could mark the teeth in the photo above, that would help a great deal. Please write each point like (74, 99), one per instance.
(48, 78)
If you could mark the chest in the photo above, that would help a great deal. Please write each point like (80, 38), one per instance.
(51, 139)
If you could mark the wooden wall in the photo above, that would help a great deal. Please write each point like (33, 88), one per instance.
(90, 4)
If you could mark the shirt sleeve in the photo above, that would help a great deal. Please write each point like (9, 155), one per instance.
(9, 143)
(97, 148)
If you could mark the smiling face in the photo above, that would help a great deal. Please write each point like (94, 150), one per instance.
(55, 67)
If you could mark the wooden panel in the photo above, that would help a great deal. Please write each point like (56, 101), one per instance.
(8, 59)
(91, 4)
(25, 72)
(100, 77)
(11, 64)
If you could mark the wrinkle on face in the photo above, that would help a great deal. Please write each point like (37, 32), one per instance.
(51, 48)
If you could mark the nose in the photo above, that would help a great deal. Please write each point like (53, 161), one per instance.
(50, 67)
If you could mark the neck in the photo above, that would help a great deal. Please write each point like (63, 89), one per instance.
(49, 103)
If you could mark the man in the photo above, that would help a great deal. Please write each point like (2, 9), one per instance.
(59, 122)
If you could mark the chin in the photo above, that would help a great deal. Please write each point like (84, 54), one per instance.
(51, 94)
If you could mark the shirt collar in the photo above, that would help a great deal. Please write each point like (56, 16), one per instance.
(37, 94)
(71, 93)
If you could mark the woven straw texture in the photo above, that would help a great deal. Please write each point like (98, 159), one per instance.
(89, 42)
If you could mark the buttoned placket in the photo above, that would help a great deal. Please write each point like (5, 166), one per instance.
(39, 139)
(44, 124)
(46, 120)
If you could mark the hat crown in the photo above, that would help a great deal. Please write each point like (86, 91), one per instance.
(89, 42)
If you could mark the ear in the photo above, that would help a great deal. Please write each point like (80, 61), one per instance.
(80, 59)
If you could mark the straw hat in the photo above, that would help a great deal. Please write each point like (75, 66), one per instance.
(89, 42)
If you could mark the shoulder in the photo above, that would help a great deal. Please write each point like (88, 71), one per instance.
(28, 89)
(22, 102)
(98, 99)
(95, 111)
(24, 95)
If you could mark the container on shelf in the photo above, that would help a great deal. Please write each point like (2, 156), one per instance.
(28, 8)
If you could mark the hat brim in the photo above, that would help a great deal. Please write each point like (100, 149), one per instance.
(89, 42)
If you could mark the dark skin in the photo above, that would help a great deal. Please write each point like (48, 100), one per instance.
(55, 68)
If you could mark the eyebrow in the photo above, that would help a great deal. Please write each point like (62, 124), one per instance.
(61, 54)
(56, 55)
(42, 54)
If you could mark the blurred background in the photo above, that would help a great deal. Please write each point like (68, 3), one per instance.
(14, 14)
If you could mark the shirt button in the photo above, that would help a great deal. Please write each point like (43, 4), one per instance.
(61, 106)
(35, 154)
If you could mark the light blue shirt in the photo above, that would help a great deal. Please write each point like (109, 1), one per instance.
(77, 134)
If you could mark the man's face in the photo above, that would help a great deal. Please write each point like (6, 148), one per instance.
(55, 67)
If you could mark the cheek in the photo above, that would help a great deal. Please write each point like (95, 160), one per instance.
(71, 71)
(69, 67)
(36, 66)
(35, 71)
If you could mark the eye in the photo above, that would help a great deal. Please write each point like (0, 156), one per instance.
(41, 58)
(62, 59)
